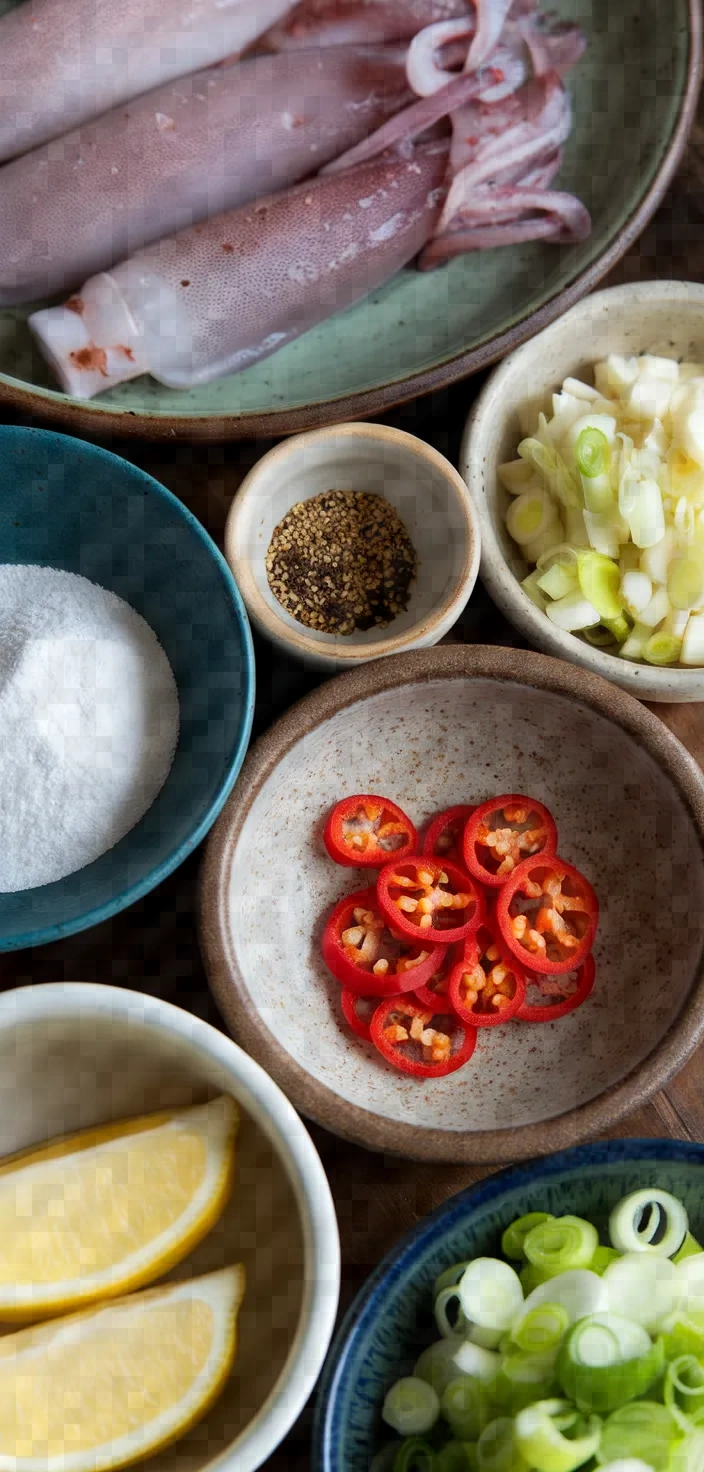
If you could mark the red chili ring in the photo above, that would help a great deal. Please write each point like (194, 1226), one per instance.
(471, 844)
(342, 849)
(518, 883)
(473, 952)
(461, 882)
(350, 1003)
(456, 818)
(364, 981)
(391, 1051)
(586, 976)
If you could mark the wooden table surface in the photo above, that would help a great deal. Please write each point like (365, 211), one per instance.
(153, 947)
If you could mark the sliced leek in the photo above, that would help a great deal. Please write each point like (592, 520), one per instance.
(649, 1220)
(642, 1429)
(553, 1437)
(564, 1243)
(467, 1408)
(606, 1361)
(515, 1235)
(490, 1293)
(645, 1288)
(411, 1407)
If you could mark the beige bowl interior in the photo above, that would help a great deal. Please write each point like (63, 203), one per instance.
(65, 1074)
(655, 317)
(428, 745)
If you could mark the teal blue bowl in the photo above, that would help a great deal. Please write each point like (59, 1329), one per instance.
(391, 1320)
(69, 505)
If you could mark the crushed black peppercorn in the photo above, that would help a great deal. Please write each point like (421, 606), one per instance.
(342, 561)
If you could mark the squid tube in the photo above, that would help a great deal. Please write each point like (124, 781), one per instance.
(63, 62)
(193, 148)
(222, 295)
(345, 22)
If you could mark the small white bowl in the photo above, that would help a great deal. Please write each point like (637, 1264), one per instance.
(76, 1055)
(427, 492)
(654, 316)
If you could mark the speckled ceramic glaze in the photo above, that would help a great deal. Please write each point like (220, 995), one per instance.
(428, 494)
(73, 1056)
(429, 730)
(390, 1321)
(634, 95)
(646, 317)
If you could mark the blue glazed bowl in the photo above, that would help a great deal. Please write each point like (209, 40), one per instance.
(69, 505)
(390, 1321)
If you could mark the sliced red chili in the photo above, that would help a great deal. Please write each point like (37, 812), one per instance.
(358, 1012)
(436, 989)
(443, 839)
(367, 956)
(424, 896)
(502, 833)
(487, 986)
(556, 995)
(364, 832)
(547, 913)
(419, 1042)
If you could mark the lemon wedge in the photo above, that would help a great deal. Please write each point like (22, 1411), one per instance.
(110, 1385)
(99, 1213)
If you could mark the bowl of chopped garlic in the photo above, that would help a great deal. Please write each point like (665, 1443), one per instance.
(584, 456)
(353, 542)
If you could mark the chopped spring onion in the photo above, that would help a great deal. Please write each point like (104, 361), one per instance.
(662, 649)
(684, 1389)
(536, 595)
(592, 452)
(542, 1328)
(555, 473)
(579, 1291)
(644, 1428)
(602, 534)
(684, 1334)
(473, 1359)
(490, 1293)
(558, 580)
(497, 1448)
(634, 645)
(572, 613)
(438, 1364)
(645, 1288)
(524, 1378)
(530, 516)
(515, 475)
(450, 1328)
(531, 1278)
(606, 1360)
(685, 580)
(647, 518)
(556, 1246)
(693, 641)
(415, 1455)
(451, 1277)
(602, 1259)
(515, 1235)
(636, 591)
(600, 582)
(467, 1407)
(411, 1407)
(650, 1220)
(657, 609)
(554, 1437)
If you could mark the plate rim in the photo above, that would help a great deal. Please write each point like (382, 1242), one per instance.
(49, 406)
(316, 1100)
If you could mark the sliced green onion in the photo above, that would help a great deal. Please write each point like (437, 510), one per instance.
(542, 1328)
(529, 516)
(606, 1360)
(456, 1456)
(647, 517)
(563, 553)
(579, 1291)
(572, 613)
(411, 1407)
(415, 1455)
(450, 1329)
(554, 1437)
(524, 1378)
(693, 641)
(514, 476)
(602, 1259)
(685, 580)
(536, 595)
(515, 1235)
(662, 649)
(473, 1359)
(644, 1215)
(555, 472)
(690, 1248)
(490, 1293)
(451, 1277)
(599, 498)
(645, 1288)
(684, 1334)
(600, 582)
(497, 1449)
(642, 1429)
(634, 645)
(636, 591)
(558, 580)
(688, 1455)
(592, 453)
(556, 1246)
(684, 1389)
(438, 1365)
(467, 1408)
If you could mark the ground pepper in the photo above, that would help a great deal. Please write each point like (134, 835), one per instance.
(342, 561)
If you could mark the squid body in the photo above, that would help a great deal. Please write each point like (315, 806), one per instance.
(63, 62)
(191, 149)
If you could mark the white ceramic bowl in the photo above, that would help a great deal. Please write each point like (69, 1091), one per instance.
(431, 499)
(654, 316)
(75, 1055)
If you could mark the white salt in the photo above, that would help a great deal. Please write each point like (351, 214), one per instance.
(89, 721)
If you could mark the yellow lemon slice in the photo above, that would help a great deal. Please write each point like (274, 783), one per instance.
(96, 1214)
(112, 1384)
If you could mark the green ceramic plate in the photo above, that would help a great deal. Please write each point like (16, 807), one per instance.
(634, 97)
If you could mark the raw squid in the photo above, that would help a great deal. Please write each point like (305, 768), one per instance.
(63, 62)
(229, 292)
(360, 22)
(193, 148)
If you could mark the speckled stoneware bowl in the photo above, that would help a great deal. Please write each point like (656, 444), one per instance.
(73, 1056)
(430, 729)
(389, 1322)
(431, 499)
(651, 316)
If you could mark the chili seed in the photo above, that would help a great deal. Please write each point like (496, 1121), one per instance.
(342, 561)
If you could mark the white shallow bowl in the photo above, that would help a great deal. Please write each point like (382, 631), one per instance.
(76, 1055)
(427, 492)
(653, 316)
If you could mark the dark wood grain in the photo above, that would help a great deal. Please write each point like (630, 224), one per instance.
(154, 946)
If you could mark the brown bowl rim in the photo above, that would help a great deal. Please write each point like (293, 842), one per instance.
(271, 424)
(314, 1099)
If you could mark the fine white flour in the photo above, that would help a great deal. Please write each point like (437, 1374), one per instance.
(89, 722)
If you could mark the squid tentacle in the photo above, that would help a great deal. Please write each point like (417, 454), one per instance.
(520, 216)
